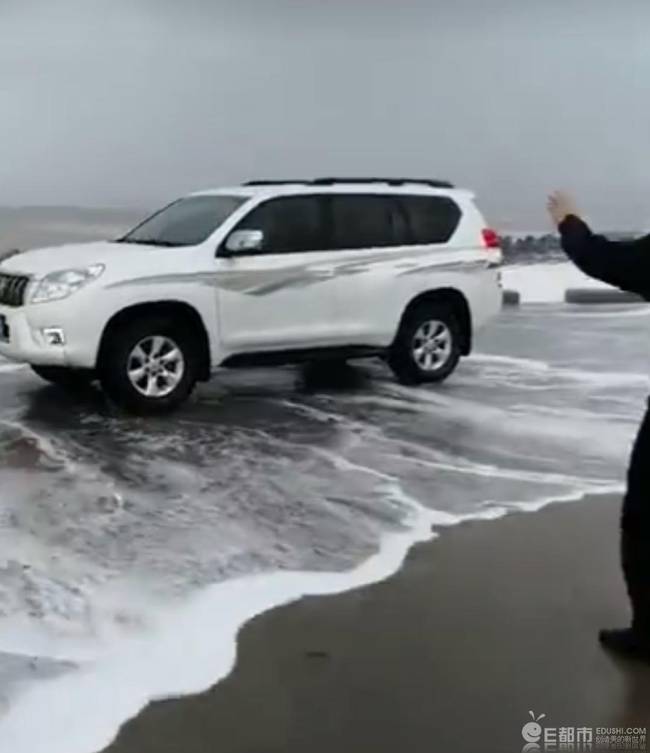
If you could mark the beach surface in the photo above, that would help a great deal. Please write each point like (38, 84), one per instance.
(484, 623)
(136, 554)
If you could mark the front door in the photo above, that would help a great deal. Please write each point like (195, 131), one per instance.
(279, 296)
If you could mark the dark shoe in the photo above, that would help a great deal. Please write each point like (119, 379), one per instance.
(626, 643)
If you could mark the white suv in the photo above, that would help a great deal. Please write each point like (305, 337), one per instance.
(271, 272)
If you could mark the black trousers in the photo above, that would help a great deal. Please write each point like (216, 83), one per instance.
(635, 530)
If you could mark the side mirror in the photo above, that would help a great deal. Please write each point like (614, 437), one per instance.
(244, 242)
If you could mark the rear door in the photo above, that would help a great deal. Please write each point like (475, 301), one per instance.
(368, 233)
(391, 247)
(280, 296)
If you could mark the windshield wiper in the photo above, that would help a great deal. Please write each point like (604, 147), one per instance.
(149, 242)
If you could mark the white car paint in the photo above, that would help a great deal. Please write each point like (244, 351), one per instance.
(257, 303)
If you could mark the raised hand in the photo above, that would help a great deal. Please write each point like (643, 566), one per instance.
(560, 206)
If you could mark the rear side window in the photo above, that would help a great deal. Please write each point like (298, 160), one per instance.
(290, 225)
(432, 219)
(360, 221)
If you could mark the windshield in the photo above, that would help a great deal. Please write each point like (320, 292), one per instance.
(186, 222)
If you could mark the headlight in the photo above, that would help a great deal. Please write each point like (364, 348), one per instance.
(58, 285)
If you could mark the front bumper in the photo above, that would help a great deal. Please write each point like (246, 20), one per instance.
(22, 342)
(23, 338)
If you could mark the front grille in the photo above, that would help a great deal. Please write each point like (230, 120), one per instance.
(12, 289)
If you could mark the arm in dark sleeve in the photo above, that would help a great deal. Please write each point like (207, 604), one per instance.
(624, 264)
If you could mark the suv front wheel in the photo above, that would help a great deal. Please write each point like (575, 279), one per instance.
(428, 345)
(149, 365)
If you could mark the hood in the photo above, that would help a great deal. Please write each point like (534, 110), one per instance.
(42, 261)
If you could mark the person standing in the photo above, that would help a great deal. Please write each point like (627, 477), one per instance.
(625, 265)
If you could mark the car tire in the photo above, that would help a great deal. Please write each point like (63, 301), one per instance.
(150, 365)
(428, 345)
(66, 378)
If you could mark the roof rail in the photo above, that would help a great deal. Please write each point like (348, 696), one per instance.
(275, 182)
(335, 181)
(390, 181)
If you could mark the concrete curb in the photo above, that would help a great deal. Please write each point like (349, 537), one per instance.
(600, 295)
(511, 298)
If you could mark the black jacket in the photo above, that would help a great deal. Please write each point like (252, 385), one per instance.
(624, 264)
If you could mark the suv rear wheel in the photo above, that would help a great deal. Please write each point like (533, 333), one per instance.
(428, 345)
(150, 365)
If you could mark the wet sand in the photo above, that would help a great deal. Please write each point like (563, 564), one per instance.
(480, 626)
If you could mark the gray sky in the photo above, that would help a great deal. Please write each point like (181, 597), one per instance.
(131, 102)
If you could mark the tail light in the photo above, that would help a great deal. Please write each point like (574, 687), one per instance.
(492, 244)
(491, 238)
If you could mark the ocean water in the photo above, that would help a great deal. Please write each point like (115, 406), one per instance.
(132, 551)
(546, 282)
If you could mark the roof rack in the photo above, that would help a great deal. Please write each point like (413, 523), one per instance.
(275, 182)
(390, 181)
(335, 181)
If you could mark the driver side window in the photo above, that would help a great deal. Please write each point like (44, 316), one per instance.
(292, 224)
